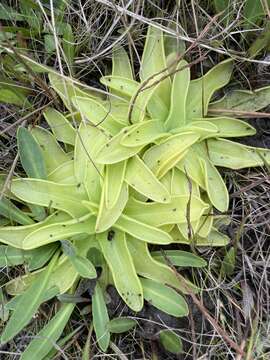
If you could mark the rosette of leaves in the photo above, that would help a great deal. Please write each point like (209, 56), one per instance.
(114, 177)
(78, 221)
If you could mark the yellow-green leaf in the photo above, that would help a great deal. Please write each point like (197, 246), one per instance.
(232, 155)
(142, 231)
(46, 193)
(113, 151)
(154, 61)
(172, 148)
(121, 64)
(149, 268)
(126, 281)
(97, 114)
(215, 186)
(201, 90)
(113, 181)
(143, 133)
(107, 217)
(53, 154)
(61, 127)
(59, 231)
(230, 127)
(141, 178)
(177, 114)
(156, 214)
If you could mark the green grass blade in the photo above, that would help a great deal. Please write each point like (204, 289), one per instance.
(100, 318)
(28, 304)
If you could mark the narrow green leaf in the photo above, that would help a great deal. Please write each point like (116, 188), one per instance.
(170, 341)
(179, 258)
(230, 127)
(59, 231)
(69, 45)
(14, 235)
(10, 256)
(177, 114)
(189, 165)
(108, 217)
(142, 231)
(164, 298)
(120, 63)
(215, 186)
(67, 88)
(53, 154)
(29, 302)
(100, 319)
(48, 336)
(89, 139)
(154, 61)
(126, 281)
(113, 181)
(32, 161)
(156, 214)
(13, 213)
(121, 324)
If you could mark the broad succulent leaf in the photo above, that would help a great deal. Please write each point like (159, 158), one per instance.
(115, 250)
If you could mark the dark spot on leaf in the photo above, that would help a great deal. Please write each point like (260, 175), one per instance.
(51, 235)
(110, 235)
(174, 209)
(79, 185)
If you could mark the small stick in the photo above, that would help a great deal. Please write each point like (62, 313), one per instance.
(222, 332)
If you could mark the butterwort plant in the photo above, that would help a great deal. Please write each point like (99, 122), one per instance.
(114, 179)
